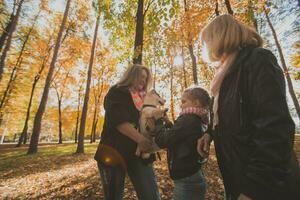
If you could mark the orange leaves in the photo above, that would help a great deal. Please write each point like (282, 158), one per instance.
(192, 21)
(59, 174)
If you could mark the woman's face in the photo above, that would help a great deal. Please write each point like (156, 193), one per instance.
(141, 81)
(205, 53)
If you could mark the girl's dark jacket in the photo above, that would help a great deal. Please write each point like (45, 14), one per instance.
(255, 134)
(181, 143)
(119, 108)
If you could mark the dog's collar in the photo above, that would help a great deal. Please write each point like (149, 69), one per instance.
(148, 105)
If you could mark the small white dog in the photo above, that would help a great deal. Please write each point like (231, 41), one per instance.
(152, 103)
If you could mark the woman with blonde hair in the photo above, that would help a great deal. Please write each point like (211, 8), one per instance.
(120, 137)
(252, 129)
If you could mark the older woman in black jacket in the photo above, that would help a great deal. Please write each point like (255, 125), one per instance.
(252, 129)
(120, 137)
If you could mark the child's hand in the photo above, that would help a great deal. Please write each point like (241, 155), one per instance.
(203, 145)
(158, 113)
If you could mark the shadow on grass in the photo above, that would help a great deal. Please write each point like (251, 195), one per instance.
(16, 163)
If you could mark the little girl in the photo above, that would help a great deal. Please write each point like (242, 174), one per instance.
(181, 142)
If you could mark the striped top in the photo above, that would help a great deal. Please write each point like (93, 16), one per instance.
(202, 113)
(138, 98)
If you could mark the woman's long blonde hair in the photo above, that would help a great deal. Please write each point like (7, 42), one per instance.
(226, 35)
(131, 75)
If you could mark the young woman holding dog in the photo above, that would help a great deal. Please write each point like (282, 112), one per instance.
(253, 131)
(119, 139)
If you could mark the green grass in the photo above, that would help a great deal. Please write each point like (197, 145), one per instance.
(15, 161)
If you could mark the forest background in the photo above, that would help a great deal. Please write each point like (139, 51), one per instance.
(58, 58)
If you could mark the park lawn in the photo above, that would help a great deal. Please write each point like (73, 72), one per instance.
(15, 161)
(55, 172)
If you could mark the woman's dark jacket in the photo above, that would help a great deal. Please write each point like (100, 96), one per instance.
(181, 143)
(119, 108)
(255, 134)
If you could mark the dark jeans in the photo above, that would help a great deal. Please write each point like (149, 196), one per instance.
(141, 175)
(190, 188)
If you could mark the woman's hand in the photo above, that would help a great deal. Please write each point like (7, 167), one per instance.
(243, 197)
(203, 145)
(127, 129)
(144, 144)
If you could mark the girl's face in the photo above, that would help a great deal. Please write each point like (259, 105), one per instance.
(186, 102)
(141, 81)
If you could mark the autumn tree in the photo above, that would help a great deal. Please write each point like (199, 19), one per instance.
(17, 66)
(60, 85)
(283, 62)
(80, 146)
(190, 43)
(39, 64)
(79, 98)
(38, 118)
(8, 33)
(228, 7)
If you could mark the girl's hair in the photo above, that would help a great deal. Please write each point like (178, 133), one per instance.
(132, 74)
(225, 35)
(198, 94)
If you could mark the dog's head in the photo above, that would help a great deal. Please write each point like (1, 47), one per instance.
(153, 98)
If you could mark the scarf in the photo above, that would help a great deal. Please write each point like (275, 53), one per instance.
(202, 113)
(138, 98)
(216, 83)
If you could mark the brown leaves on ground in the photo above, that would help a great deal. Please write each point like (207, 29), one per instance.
(76, 177)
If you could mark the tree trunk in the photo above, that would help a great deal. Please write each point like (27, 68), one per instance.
(139, 34)
(171, 91)
(183, 68)
(8, 89)
(23, 137)
(6, 31)
(16, 67)
(217, 12)
(77, 118)
(285, 69)
(38, 118)
(3, 135)
(97, 104)
(93, 124)
(59, 119)
(191, 50)
(9, 38)
(76, 129)
(80, 146)
(194, 64)
(95, 130)
(228, 6)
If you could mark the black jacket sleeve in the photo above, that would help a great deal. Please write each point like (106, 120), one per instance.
(271, 127)
(116, 105)
(184, 126)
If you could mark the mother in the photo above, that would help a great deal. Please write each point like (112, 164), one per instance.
(119, 139)
(252, 129)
